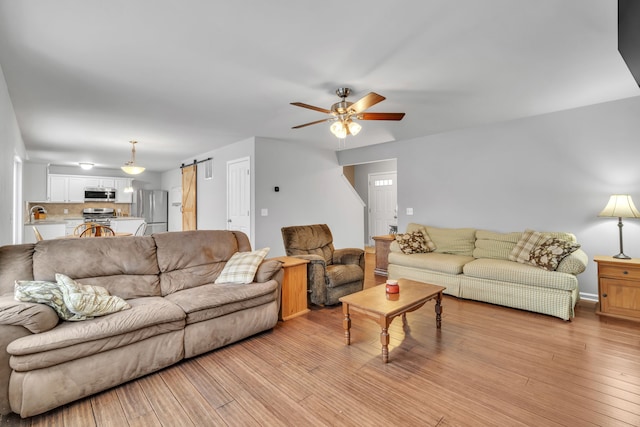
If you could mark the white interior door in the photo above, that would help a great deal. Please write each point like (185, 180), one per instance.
(383, 203)
(239, 195)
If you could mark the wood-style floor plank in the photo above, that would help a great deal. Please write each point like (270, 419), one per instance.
(487, 366)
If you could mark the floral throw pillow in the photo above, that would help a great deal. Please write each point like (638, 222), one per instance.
(551, 252)
(415, 243)
(49, 293)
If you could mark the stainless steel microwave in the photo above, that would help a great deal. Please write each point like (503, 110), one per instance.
(99, 194)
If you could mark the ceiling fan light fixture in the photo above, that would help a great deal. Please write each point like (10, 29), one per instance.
(339, 129)
(130, 167)
(354, 127)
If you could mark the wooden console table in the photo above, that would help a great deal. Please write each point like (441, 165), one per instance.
(294, 287)
(382, 253)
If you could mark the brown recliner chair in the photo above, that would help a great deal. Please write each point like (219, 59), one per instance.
(331, 273)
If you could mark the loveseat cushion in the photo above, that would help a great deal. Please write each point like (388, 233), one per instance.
(442, 263)
(189, 259)
(513, 272)
(490, 244)
(456, 241)
(147, 317)
(214, 300)
(125, 266)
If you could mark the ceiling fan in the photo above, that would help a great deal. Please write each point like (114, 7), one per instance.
(344, 113)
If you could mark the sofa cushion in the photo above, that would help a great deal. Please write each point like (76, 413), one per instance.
(513, 272)
(415, 243)
(189, 259)
(214, 300)
(522, 251)
(490, 244)
(442, 263)
(241, 267)
(87, 300)
(144, 313)
(16, 262)
(551, 252)
(457, 241)
(125, 266)
(35, 317)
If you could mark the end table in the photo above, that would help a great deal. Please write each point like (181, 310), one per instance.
(382, 253)
(294, 287)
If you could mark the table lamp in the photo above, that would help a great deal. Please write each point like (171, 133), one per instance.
(621, 206)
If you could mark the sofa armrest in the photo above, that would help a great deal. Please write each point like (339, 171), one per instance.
(267, 270)
(349, 256)
(394, 247)
(575, 263)
(34, 317)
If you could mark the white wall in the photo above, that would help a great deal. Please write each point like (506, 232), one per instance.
(550, 172)
(11, 146)
(312, 191)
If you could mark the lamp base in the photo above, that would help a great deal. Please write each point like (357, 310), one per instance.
(622, 256)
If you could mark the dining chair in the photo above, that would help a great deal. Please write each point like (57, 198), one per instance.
(97, 230)
(37, 233)
(142, 228)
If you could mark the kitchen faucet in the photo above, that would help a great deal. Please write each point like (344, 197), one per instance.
(32, 215)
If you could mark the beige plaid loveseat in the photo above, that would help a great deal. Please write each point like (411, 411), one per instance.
(474, 264)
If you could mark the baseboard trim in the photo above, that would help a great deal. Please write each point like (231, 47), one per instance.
(588, 297)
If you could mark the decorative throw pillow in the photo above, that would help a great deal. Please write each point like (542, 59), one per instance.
(551, 252)
(529, 240)
(89, 301)
(241, 267)
(414, 243)
(47, 293)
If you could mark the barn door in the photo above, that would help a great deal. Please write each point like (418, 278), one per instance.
(189, 220)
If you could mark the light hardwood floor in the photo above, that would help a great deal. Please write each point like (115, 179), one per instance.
(487, 366)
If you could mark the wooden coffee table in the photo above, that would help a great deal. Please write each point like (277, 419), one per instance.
(376, 303)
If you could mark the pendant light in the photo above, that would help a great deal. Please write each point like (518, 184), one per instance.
(130, 167)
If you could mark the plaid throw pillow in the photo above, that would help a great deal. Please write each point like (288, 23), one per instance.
(522, 251)
(414, 243)
(241, 267)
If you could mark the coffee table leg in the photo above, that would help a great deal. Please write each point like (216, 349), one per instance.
(384, 338)
(346, 323)
(439, 310)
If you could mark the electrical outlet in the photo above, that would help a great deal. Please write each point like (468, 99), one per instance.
(264, 212)
(66, 211)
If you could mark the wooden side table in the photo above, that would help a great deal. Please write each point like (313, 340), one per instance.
(618, 287)
(294, 287)
(382, 253)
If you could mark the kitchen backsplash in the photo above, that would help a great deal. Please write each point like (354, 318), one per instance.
(56, 210)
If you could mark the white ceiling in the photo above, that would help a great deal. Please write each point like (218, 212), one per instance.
(186, 77)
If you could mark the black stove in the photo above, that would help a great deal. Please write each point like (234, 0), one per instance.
(98, 215)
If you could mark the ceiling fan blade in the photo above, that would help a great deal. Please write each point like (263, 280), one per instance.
(380, 116)
(366, 101)
(311, 107)
(312, 123)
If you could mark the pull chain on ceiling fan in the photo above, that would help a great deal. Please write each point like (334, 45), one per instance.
(345, 112)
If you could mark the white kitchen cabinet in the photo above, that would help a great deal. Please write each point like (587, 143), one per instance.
(120, 184)
(126, 225)
(47, 230)
(71, 224)
(65, 189)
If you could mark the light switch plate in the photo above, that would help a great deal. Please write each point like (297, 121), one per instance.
(409, 211)
(264, 212)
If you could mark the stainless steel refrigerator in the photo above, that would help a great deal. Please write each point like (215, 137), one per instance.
(152, 205)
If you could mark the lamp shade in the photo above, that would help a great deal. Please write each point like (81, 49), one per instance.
(620, 206)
